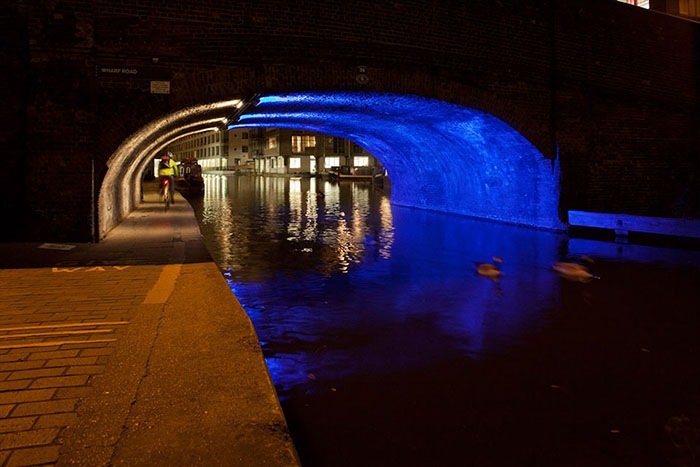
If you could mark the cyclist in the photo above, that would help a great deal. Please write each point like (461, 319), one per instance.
(167, 169)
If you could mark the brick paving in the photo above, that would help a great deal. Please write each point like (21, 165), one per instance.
(58, 327)
(87, 336)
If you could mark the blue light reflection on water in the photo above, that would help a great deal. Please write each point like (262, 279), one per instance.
(369, 288)
(440, 156)
(384, 343)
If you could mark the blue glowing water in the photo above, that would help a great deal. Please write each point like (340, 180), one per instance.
(440, 156)
(395, 284)
(315, 268)
(387, 348)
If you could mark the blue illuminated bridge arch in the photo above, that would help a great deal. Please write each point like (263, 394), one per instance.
(439, 156)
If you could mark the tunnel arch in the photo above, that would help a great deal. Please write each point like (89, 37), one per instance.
(120, 191)
(440, 156)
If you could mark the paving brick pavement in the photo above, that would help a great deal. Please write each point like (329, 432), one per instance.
(132, 351)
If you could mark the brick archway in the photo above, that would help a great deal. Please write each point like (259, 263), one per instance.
(440, 156)
(120, 189)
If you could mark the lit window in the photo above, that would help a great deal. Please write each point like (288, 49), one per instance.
(332, 162)
(301, 142)
(361, 161)
(271, 142)
(296, 144)
(639, 3)
(295, 162)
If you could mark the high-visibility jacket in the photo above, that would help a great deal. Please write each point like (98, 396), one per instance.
(167, 168)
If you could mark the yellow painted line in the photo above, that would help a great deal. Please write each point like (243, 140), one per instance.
(65, 325)
(51, 344)
(57, 333)
(92, 269)
(164, 286)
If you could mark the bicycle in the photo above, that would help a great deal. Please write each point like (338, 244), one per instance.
(166, 193)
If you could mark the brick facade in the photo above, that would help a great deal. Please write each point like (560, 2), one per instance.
(612, 90)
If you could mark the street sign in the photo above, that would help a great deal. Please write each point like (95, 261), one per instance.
(160, 87)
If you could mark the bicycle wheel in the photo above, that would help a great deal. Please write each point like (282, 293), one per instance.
(166, 197)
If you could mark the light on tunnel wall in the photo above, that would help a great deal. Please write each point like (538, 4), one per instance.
(441, 156)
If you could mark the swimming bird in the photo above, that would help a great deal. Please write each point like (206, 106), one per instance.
(573, 271)
(489, 269)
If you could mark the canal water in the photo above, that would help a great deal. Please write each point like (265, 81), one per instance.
(387, 348)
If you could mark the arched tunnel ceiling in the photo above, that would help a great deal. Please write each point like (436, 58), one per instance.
(120, 189)
(439, 156)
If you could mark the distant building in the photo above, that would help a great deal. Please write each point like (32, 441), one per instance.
(239, 150)
(684, 8)
(272, 151)
(210, 149)
(287, 151)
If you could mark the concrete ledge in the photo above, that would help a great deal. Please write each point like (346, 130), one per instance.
(622, 224)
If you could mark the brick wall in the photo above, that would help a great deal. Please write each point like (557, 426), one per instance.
(611, 89)
(14, 56)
